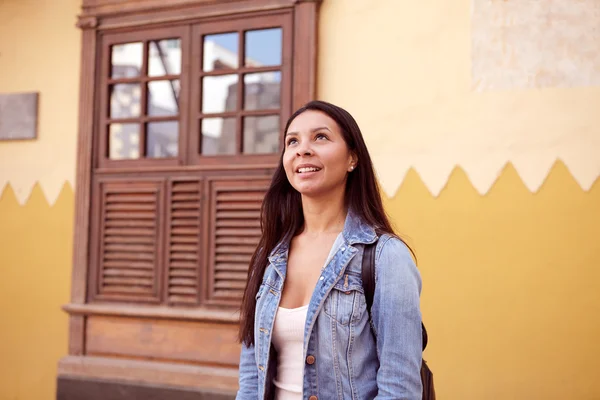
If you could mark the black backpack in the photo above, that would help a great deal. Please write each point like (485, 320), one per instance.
(368, 278)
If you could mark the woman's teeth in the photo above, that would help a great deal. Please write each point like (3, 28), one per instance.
(308, 169)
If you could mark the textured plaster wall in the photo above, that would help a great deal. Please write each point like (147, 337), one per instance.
(424, 80)
(39, 52)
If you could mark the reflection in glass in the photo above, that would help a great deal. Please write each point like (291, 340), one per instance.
(162, 139)
(219, 93)
(126, 60)
(220, 52)
(261, 135)
(164, 57)
(262, 90)
(163, 98)
(124, 141)
(218, 136)
(263, 47)
(125, 100)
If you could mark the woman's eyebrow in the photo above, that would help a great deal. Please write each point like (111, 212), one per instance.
(312, 130)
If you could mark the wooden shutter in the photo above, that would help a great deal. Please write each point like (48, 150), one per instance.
(129, 241)
(184, 242)
(234, 233)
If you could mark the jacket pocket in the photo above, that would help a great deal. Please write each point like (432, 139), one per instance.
(346, 301)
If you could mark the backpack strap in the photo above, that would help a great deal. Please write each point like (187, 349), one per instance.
(368, 279)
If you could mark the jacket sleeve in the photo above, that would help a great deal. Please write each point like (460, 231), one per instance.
(248, 379)
(396, 318)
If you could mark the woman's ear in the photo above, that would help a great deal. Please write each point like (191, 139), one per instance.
(353, 161)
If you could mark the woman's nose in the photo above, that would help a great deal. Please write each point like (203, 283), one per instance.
(304, 149)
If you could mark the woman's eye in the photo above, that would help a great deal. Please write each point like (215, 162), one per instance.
(321, 136)
(291, 141)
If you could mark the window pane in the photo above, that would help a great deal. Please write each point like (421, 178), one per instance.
(261, 135)
(262, 91)
(218, 136)
(162, 139)
(263, 47)
(125, 100)
(163, 97)
(219, 93)
(126, 60)
(124, 141)
(220, 52)
(164, 57)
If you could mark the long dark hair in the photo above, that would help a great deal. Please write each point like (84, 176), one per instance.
(281, 213)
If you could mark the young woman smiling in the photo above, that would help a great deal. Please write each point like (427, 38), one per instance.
(305, 329)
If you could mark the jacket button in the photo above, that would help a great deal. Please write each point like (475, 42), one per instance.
(313, 398)
(310, 360)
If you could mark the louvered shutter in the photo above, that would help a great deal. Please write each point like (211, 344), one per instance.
(234, 234)
(129, 237)
(184, 242)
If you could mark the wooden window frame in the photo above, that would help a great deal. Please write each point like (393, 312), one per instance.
(239, 24)
(105, 83)
(99, 20)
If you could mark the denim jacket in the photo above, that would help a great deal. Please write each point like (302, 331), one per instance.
(347, 356)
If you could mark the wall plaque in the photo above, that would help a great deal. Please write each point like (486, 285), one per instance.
(18, 116)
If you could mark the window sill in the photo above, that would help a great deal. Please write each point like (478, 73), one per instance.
(154, 312)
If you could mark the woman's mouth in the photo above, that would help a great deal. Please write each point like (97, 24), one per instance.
(304, 170)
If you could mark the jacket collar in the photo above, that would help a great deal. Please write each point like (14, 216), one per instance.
(357, 231)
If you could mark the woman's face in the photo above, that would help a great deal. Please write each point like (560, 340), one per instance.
(316, 157)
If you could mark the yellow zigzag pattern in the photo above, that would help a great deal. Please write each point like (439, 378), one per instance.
(458, 184)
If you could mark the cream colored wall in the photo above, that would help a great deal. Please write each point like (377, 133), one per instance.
(509, 254)
(39, 52)
(405, 71)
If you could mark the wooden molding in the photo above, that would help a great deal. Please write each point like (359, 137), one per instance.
(76, 335)
(305, 67)
(157, 373)
(83, 388)
(190, 342)
(120, 13)
(191, 169)
(79, 275)
(155, 312)
(87, 22)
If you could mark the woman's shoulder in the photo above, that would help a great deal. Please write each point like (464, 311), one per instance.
(394, 262)
(390, 245)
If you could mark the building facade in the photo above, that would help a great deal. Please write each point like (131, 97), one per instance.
(126, 226)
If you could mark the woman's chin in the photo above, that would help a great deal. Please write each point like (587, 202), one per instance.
(309, 190)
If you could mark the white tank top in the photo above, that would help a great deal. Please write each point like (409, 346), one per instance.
(288, 339)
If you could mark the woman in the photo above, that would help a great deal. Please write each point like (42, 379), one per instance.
(305, 329)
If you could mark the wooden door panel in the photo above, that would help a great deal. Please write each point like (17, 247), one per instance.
(128, 253)
(184, 242)
(234, 232)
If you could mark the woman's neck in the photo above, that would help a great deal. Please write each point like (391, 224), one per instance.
(323, 215)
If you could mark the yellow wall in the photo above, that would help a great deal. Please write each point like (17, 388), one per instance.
(35, 261)
(39, 51)
(510, 296)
